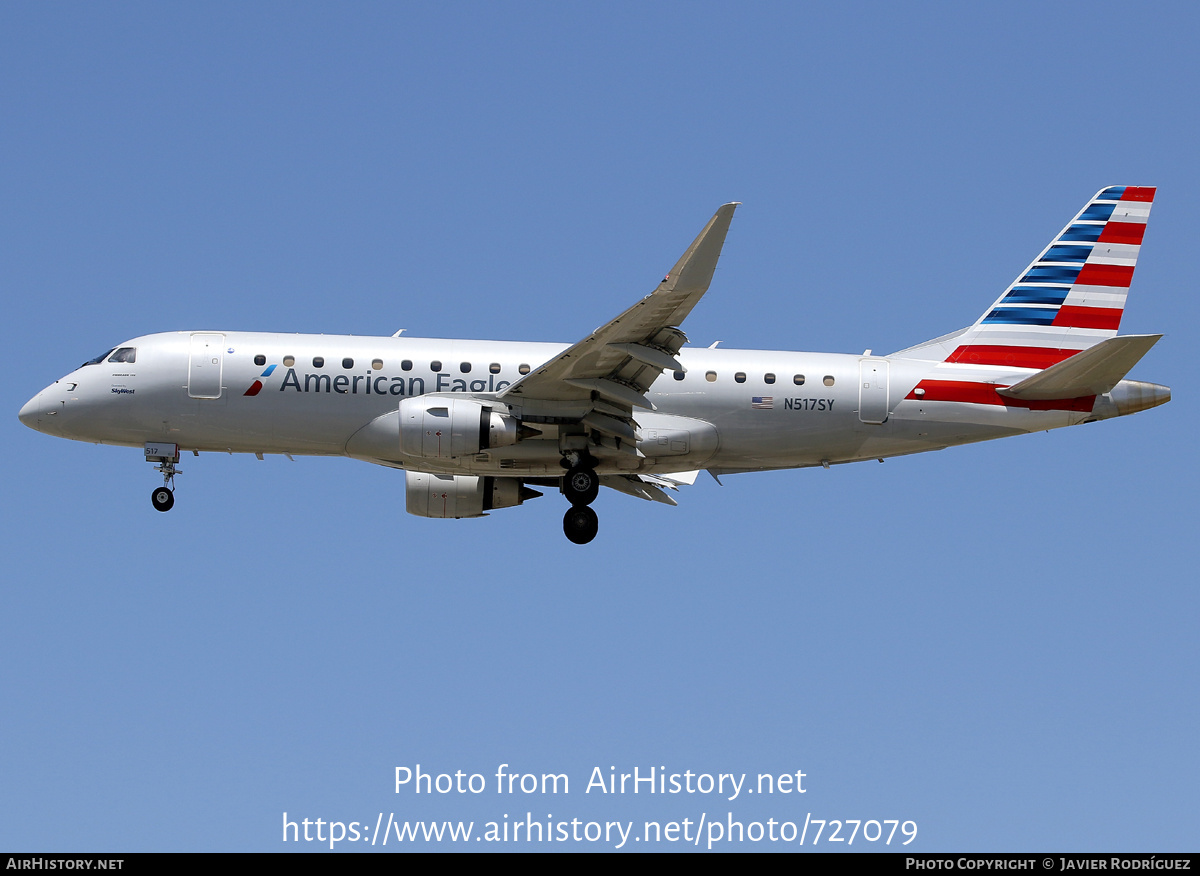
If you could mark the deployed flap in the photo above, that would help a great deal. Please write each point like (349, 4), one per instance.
(1094, 371)
(675, 479)
(620, 360)
(634, 485)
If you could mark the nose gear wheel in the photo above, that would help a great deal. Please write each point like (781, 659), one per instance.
(162, 498)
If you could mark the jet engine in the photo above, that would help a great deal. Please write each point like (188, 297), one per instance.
(436, 427)
(438, 495)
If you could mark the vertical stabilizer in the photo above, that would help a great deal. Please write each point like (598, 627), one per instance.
(1071, 297)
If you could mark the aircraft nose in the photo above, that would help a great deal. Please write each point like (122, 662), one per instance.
(31, 411)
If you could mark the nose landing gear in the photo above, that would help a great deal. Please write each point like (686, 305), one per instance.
(166, 455)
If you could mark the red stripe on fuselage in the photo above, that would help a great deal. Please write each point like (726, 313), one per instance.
(1018, 357)
(966, 392)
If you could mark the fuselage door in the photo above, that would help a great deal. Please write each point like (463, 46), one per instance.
(204, 366)
(873, 390)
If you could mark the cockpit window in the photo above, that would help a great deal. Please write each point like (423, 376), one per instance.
(127, 355)
(99, 358)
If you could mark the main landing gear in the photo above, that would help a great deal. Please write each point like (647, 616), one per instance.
(580, 524)
(581, 486)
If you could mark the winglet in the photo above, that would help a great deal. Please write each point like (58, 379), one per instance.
(694, 270)
(622, 358)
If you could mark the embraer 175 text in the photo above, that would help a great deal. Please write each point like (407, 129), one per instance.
(477, 424)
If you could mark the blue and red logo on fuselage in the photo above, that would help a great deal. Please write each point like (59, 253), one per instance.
(257, 385)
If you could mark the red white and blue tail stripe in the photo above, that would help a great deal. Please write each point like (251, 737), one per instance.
(1072, 295)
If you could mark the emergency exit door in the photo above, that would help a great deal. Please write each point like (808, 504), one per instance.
(873, 390)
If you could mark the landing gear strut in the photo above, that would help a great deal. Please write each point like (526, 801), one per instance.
(581, 486)
(166, 455)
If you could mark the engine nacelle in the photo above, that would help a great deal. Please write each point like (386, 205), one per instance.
(456, 496)
(437, 427)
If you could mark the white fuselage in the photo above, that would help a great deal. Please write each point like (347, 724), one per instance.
(478, 424)
(733, 410)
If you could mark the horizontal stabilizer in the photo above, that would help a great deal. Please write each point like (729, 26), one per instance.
(1093, 371)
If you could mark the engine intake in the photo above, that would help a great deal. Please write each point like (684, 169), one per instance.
(436, 427)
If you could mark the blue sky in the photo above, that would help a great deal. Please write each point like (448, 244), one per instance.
(996, 642)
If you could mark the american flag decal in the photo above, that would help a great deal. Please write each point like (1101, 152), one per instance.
(762, 402)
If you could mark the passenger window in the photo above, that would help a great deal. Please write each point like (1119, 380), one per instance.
(524, 369)
(406, 365)
(128, 355)
(710, 376)
(377, 364)
(679, 375)
(289, 361)
(436, 365)
(318, 361)
(828, 381)
(347, 363)
(260, 359)
(740, 377)
(464, 367)
(768, 378)
(494, 368)
(798, 380)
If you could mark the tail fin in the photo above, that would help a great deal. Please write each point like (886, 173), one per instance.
(1071, 297)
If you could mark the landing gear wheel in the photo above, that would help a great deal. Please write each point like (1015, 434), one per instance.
(581, 486)
(163, 499)
(580, 524)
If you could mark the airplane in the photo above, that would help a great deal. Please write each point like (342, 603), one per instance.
(477, 425)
